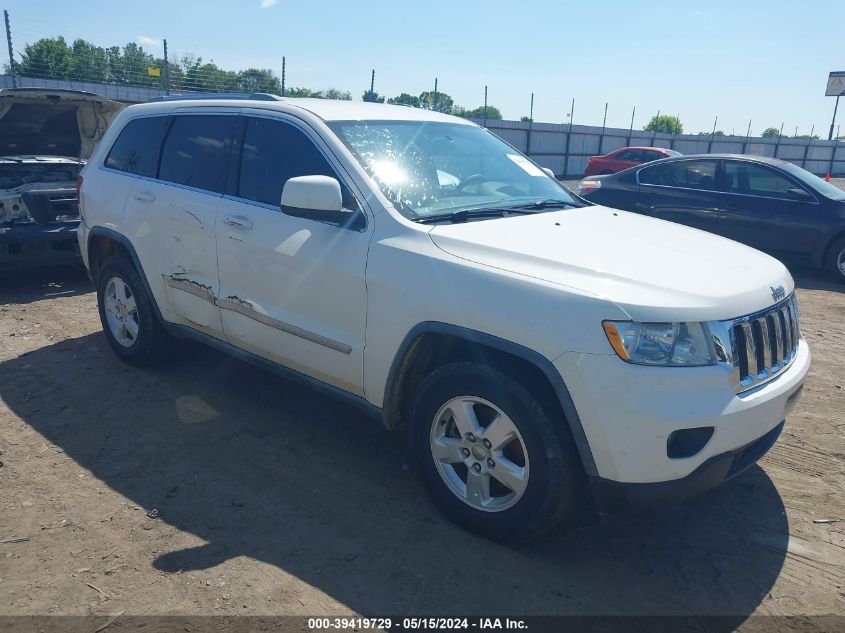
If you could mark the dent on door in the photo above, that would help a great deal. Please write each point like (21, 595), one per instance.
(191, 274)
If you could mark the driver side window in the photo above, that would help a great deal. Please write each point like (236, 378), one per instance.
(275, 151)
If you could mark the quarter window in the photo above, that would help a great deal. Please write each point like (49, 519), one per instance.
(196, 151)
(688, 174)
(756, 180)
(273, 152)
(137, 147)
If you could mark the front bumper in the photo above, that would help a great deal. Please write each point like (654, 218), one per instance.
(629, 413)
(32, 245)
(613, 497)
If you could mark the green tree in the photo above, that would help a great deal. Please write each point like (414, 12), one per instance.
(492, 113)
(258, 80)
(711, 133)
(342, 95)
(48, 57)
(665, 123)
(371, 96)
(525, 119)
(304, 92)
(770, 132)
(90, 62)
(807, 136)
(439, 102)
(405, 99)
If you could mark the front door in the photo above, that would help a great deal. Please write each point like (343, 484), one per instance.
(291, 289)
(758, 211)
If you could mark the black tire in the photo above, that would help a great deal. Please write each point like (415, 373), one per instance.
(147, 345)
(835, 256)
(554, 477)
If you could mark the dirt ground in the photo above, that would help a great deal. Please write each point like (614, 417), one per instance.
(206, 486)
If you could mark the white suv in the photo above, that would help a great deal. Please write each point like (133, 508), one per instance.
(533, 345)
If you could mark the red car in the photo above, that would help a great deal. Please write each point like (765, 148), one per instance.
(620, 159)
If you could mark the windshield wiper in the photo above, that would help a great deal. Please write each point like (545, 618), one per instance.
(548, 203)
(467, 214)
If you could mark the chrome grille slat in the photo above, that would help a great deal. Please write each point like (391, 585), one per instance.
(762, 344)
(778, 347)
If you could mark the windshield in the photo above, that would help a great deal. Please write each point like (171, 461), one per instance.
(429, 168)
(825, 188)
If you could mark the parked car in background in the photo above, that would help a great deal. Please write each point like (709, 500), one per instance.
(45, 137)
(621, 159)
(415, 265)
(769, 204)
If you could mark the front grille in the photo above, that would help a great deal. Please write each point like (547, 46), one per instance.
(761, 344)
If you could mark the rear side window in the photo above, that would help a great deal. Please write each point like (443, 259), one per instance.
(273, 152)
(196, 151)
(137, 147)
(688, 174)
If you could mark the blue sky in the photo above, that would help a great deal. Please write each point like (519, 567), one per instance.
(767, 61)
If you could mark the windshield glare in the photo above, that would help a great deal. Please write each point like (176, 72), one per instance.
(825, 188)
(429, 168)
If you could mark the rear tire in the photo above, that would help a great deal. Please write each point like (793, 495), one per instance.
(836, 259)
(489, 454)
(126, 312)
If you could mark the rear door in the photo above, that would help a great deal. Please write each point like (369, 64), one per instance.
(680, 191)
(758, 211)
(171, 218)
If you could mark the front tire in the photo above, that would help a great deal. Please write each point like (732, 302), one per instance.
(126, 313)
(836, 259)
(489, 454)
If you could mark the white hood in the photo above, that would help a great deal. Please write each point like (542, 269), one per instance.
(654, 270)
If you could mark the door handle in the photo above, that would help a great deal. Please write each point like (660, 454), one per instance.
(144, 196)
(236, 220)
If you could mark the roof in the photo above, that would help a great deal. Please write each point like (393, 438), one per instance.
(749, 157)
(326, 109)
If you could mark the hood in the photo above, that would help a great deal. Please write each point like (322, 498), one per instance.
(46, 122)
(652, 269)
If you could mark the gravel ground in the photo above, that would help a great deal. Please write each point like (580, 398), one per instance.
(206, 486)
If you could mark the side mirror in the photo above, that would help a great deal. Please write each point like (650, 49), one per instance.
(799, 195)
(549, 172)
(313, 194)
(318, 198)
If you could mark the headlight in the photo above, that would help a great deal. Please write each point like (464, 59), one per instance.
(661, 344)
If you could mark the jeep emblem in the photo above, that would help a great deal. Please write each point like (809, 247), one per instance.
(778, 293)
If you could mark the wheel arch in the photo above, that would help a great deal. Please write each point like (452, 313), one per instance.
(103, 243)
(431, 344)
(827, 250)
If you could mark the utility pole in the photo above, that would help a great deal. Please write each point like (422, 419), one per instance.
(530, 126)
(485, 106)
(631, 129)
(283, 76)
(373, 82)
(166, 70)
(12, 66)
(568, 140)
(434, 98)
(712, 134)
(829, 136)
(603, 126)
(747, 134)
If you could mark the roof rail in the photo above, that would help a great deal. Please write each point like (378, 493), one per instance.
(198, 96)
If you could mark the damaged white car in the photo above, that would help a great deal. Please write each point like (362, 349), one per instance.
(45, 138)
